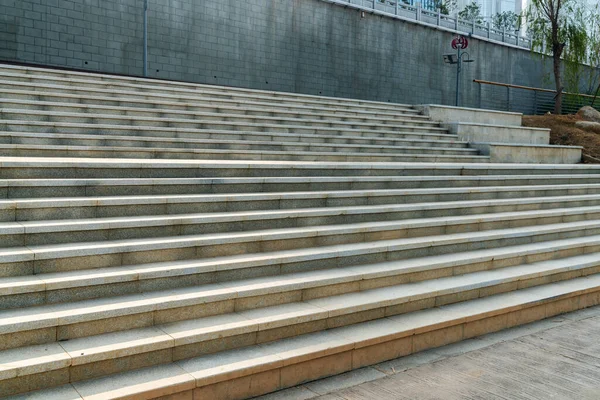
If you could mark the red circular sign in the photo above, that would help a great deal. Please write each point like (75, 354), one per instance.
(460, 42)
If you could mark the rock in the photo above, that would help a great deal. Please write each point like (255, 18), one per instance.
(588, 126)
(589, 114)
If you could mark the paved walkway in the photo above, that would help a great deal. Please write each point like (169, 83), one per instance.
(554, 359)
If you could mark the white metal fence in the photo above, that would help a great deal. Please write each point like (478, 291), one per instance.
(417, 13)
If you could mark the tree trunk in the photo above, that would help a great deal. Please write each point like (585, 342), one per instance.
(559, 88)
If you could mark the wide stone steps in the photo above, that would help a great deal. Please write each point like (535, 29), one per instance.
(395, 220)
(68, 168)
(37, 118)
(149, 91)
(401, 154)
(95, 356)
(350, 203)
(384, 240)
(375, 190)
(349, 291)
(164, 238)
(268, 367)
(90, 81)
(27, 99)
(214, 121)
(16, 128)
(31, 91)
(284, 142)
(337, 277)
(325, 119)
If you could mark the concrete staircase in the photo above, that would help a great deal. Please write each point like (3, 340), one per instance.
(178, 241)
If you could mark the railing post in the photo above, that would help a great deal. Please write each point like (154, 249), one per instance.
(418, 11)
(456, 23)
(517, 38)
(480, 97)
(145, 37)
(473, 26)
(439, 17)
(508, 98)
(489, 28)
(397, 7)
(503, 34)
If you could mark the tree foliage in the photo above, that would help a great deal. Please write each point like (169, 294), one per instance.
(471, 12)
(559, 28)
(507, 20)
(446, 7)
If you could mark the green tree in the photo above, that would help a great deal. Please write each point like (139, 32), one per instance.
(445, 6)
(506, 20)
(471, 12)
(559, 29)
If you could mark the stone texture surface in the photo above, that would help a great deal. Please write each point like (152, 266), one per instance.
(589, 114)
(591, 126)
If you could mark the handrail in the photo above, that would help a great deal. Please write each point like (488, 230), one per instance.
(508, 85)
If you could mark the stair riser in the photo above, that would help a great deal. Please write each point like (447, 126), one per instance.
(194, 227)
(284, 144)
(143, 284)
(116, 189)
(407, 154)
(192, 251)
(49, 169)
(32, 100)
(179, 352)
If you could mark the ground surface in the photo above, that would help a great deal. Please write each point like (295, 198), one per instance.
(564, 132)
(557, 359)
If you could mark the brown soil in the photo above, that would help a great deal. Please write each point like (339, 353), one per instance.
(564, 132)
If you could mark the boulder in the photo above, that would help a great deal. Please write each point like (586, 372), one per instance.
(588, 126)
(589, 114)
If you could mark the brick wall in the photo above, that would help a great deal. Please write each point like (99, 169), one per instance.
(305, 46)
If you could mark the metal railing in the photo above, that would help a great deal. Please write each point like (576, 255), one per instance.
(529, 100)
(417, 13)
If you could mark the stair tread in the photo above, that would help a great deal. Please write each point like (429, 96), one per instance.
(425, 150)
(122, 162)
(94, 201)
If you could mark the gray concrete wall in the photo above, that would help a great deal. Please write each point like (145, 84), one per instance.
(304, 46)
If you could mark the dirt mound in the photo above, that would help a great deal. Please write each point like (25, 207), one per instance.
(564, 131)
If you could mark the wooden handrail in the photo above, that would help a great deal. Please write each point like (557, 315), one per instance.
(508, 85)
